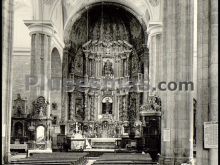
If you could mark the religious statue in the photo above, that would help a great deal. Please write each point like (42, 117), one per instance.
(107, 69)
(79, 112)
(107, 107)
(19, 132)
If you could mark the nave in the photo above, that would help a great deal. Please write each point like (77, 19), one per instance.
(85, 158)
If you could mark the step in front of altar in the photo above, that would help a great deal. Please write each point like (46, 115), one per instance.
(103, 143)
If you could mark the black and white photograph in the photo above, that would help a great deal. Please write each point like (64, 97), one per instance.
(109, 82)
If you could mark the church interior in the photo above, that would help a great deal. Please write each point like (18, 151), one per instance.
(83, 79)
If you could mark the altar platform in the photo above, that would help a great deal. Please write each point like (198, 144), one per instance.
(93, 144)
(104, 143)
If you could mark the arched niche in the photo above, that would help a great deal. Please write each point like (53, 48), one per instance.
(107, 105)
(40, 133)
(18, 130)
(56, 69)
(56, 83)
(131, 8)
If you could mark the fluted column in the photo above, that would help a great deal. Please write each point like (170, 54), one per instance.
(213, 72)
(177, 57)
(121, 68)
(207, 77)
(146, 73)
(72, 106)
(127, 63)
(154, 44)
(87, 64)
(41, 34)
(7, 49)
(96, 107)
(65, 68)
(86, 106)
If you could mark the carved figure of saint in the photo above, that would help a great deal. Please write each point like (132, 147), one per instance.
(107, 107)
(80, 112)
(108, 70)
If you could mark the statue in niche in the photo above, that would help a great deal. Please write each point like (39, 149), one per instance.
(79, 112)
(107, 107)
(18, 130)
(19, 111)
(19, 106)
(40, 106)
(107, 69)
(105, 129)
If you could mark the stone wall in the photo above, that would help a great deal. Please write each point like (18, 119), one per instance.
(20, 72)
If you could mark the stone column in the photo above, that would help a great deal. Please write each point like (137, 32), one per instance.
(207, 77)
(93, 67)
(72, 106)
(115, 67)
(125, 110)
(154, 43)
(7, 48)
(92, 108)
(97, 68)
(86, 105)
(127, 64)
(213, 73)
(41, 34)
(87, 64)
(121, 67)
(146, 73)
(96, 107)
(65, 68)
(202, 112)
(177, 60)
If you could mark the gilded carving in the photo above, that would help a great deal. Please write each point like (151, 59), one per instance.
(40, 106)
(107, 69)
(19, 106)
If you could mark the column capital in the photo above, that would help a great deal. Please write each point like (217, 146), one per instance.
(154, 28)
(43, 27)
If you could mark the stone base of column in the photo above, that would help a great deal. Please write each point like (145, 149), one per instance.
(166, 161)
(213, 156)
(7, 157)
(175, 160)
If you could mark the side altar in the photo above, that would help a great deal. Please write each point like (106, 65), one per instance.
(39, 125)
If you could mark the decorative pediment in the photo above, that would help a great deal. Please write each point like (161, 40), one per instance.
(40, 107)
(153, 106)
(19, 106)
(107, 117)
(107, 47)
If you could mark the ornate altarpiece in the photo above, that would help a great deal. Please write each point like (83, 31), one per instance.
(101, 103)
(19, 123)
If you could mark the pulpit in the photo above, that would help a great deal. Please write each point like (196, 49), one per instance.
(151, 119)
